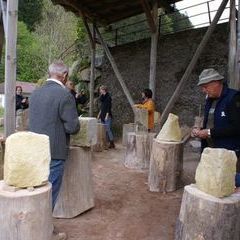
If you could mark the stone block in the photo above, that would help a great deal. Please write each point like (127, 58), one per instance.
(87, 136)
(171, 131)
(27, 159)
(216, 171)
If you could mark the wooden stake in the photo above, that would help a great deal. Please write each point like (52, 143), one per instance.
(10, 67)
(232, 46)
(153, 54)
(237, 81)
(193, 62)
(115, 69)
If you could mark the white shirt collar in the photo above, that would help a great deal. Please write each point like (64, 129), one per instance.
(56, 81)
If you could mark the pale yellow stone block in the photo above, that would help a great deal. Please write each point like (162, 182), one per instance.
(87, 136)
(216, 171)
(27, 159)
(171, 130)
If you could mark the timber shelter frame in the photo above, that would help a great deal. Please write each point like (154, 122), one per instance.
(103, 13)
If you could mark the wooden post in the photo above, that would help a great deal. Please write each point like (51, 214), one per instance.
(237, 80)
(91, 37)
(3, 6)
(10, 67)
(25, 214)
(76, 193)
(232, 46)
(166, 166)
(115, 68)
(92, 76)
(193, 62)
(153, 54)
(204, 217)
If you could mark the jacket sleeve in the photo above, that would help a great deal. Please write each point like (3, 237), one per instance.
(234, 116)
(149, 106)
(68, 114)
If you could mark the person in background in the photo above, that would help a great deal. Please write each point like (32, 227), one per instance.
(221, 126)
(52, 111)
(149, 105)
(105, 113)
(21, 102)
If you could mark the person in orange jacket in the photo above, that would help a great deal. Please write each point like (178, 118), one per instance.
(148, 104)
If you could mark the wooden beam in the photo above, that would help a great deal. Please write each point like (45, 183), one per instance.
(115, 69)
(193, 62)
(238, 52)
(232, 46)
(3, 6)
(1, 38)
(91, 37)
(147, 9)
(10, 67)
(153, 54)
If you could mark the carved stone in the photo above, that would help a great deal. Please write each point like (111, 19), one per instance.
(216, 172)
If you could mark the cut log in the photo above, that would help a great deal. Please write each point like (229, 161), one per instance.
(166, 166)
(76, 193)
(203, 216)
(101, 138)
(129, 127)
(26, 214)
(138, 150)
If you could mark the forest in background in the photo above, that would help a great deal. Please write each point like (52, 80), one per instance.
(47, 32)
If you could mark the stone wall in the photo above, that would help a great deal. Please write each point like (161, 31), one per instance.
(174, 54)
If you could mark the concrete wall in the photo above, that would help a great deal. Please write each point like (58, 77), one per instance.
(174, 54)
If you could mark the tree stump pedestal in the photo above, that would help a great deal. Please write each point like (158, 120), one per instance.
(25, 214)
(204, 217)
(166, 166)
(76, 193)
(138, 150)
(101, 138)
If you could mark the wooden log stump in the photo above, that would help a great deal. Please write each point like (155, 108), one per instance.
(129, 127)
(101, 138)
(25, 214)
(138, 150)
(205, 217)
(166, 164)
(76, 193)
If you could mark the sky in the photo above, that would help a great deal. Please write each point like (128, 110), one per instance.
(200, 7)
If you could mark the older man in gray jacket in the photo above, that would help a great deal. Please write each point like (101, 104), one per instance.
(52, 111)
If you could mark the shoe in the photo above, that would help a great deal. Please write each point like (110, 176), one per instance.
(58, 235)
(111, 145)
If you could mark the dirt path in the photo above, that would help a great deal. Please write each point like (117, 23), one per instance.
(124, 208)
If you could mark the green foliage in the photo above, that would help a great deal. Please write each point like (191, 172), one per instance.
(1, 112)
(30, 12)
(30, 66)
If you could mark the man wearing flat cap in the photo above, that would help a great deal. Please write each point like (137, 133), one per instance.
(221, 125)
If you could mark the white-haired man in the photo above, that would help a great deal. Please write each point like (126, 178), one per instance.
(221, 128)
(52, 111)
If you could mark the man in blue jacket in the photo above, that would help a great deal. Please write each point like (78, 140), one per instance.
(221, 126)
(52, 111)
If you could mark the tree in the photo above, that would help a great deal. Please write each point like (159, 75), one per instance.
(30, 65)
(30, 12)
(56, 32)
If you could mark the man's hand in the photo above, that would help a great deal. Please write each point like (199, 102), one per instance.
(203, 134)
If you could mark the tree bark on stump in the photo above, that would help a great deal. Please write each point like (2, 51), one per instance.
(138, 150)
(101, 138)
(166, 166)
(76, 193)
(26, 215)
(205, 217)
